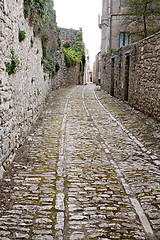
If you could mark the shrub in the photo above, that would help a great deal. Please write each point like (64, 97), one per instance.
(22, 35)
(14, 65)
(67, 45)
(113, 50)
(48, 63)
(42, 16)
(57, 67)
(76, 54)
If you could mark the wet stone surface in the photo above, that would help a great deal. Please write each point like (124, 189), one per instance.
(89, 170)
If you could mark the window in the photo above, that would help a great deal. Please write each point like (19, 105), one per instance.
(121, 2)
(123, 39)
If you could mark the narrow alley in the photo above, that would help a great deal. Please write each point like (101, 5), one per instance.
(88, 170)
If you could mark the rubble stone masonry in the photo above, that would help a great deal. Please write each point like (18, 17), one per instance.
(22, 94)
(133, 74)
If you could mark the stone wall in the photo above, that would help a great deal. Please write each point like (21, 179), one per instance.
(23, 94)
(66, 75)
(133, 74)
(68, 35)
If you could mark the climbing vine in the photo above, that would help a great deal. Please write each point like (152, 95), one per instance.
(77, 54)
(42, 17)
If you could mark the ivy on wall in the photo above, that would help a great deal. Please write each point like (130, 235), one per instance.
(77, 54)
(42, 17)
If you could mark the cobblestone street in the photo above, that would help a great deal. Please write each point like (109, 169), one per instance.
(88, 170)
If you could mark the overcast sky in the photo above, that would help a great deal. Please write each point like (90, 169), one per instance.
(81, 14)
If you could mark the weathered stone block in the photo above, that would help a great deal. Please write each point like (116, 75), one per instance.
(6, 96)
(4, 106)
(158, 72)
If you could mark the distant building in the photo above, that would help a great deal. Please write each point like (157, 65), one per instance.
(97, 69)
(87, 67)
(114, 34)
(90, 76)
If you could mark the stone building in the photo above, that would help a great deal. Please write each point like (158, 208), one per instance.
(119, 30)
(87, 67)
(97, 69)
(132, 74)
(114, 33)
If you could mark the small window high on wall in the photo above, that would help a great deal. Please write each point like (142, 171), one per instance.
(123, 39)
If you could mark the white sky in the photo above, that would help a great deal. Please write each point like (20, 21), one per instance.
(81, 14)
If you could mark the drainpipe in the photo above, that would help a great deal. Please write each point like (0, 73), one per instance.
(111, 25)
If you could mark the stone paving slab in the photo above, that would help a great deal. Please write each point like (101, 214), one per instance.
(86, 171)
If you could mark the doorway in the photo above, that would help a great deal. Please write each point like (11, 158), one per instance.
(112, 76)
(126, 81)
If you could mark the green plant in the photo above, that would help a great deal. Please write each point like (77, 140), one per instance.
(157, 124)
(22, 35)
(32, 42)
(42, 16)
(145, 13)
(119, 64)
(44, 39)
(67, 45)
(38, 91)
(98, 89)
(103, 54)
(113, 50)
(14, 65)
(70, 57)
(48, 63)
(32, 80)
(59, 42)
(57, 67)
(75, 55)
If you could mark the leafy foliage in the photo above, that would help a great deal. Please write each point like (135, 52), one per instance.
(67, 45)
(22, 35)
(57, 67)
(48, 63)
(143, 16)
(76, 55)
(113, 50)
(14, 65)
(32, 80)
(58, 38)
(70, 57)
(42, 17)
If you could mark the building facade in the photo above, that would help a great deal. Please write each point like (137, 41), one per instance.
(114, 32)
(97, 69)
(87, 67)
(132, 74)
